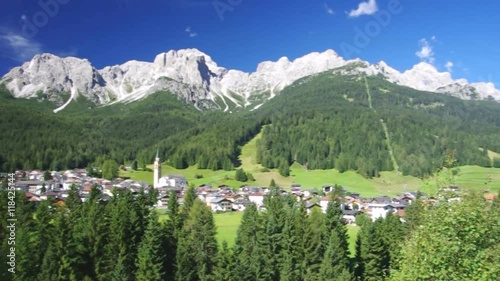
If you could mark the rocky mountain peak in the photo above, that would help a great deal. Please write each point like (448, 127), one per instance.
(196, 78)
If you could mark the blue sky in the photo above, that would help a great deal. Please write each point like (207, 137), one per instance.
(462, 35)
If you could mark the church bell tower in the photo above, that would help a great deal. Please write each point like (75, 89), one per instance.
(157, 170)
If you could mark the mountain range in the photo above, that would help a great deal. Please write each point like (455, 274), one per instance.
(195, 78)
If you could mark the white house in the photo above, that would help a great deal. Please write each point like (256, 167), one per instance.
(257, 198)
(323, 203)
(379, 210)
(221, 205)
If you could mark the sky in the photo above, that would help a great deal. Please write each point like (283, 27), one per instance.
(458, 36)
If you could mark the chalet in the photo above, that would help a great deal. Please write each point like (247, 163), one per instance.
(221, 205)
(241, 204)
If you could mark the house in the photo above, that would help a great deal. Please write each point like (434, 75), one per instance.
(310, 206)
(35, 175)
(162, 201)
(349, 216)
(241, 204)
(34, 186)
(323, 203)
(257, 198)
(221, 205)
(379, 210)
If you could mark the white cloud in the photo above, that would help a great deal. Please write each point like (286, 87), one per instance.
(449, 66)
(426, 52)
(18, 47)
(364, 8)
(190, 32)
(329, 10)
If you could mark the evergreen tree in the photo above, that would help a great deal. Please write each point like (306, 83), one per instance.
(334, 222)
(393, 233)
(313, 245)
(47, 176)
(249, 252)
(414, 214)
(375, 256)
(240, 175)
(225, 265)
(151, 254)
(292, 251)
(73, 201)
(134, 165)
(110, 169)
(25, 231)
(43, 228)
(197, 247)
(335, 264)
(189, 199)
(336, 259)
(284, 169)
(272, 183)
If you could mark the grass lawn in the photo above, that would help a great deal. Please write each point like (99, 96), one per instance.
(227, 226)
(352, 231)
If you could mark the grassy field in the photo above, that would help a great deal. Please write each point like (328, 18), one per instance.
(227, 226)
(389, 183)
(352, 231)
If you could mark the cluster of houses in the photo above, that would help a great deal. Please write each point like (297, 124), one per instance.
(40, 185)
(225, 199)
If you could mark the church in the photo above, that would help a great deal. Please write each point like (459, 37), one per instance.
(168, 180)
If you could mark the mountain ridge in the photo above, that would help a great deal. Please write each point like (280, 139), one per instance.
(195, 78)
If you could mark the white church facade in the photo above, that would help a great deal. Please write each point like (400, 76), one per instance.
(166, 180)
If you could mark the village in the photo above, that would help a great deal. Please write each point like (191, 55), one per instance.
(40, 185)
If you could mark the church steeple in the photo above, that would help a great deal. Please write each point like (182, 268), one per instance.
(157, 170)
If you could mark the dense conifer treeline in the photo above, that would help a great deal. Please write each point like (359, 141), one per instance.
(323, 121)
(123, 239)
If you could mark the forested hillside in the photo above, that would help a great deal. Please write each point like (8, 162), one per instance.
(330, 121)
(323, 121)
